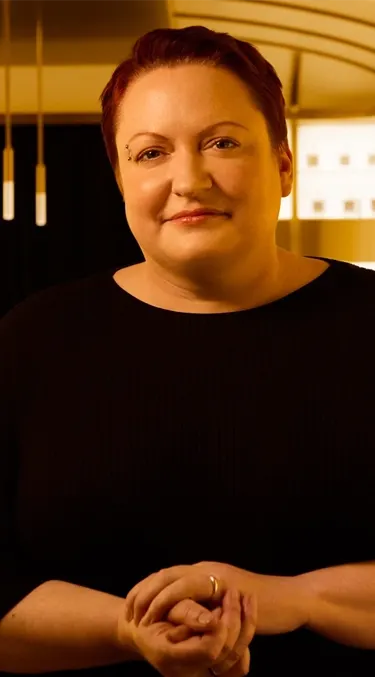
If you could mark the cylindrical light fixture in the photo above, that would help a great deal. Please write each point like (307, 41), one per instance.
(41, 193)
(8, 153)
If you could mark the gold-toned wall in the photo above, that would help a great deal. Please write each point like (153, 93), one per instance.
(83, 42)
(67, 89)
(343, 240)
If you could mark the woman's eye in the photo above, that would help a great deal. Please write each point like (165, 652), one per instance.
(145, 152)
(225, 141)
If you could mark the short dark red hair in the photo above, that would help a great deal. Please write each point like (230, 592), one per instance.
(196, 44)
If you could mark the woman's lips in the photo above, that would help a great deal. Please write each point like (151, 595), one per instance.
(199, 217)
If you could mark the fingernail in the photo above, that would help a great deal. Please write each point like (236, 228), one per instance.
(204, 617)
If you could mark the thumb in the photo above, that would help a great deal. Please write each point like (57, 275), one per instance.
(188, 612)
(182, 632)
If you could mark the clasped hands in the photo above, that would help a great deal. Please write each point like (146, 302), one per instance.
(282, 604)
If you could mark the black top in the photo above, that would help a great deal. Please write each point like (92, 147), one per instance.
(134, 438)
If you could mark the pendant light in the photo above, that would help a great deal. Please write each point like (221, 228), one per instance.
(8, 154)
(41, 195)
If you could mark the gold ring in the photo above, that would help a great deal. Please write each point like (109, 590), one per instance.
(215, 584)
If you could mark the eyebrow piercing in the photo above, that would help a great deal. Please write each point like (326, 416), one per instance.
(130, 157)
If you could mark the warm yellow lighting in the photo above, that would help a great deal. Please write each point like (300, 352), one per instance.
(41, 193)
(8, 153)
(41, 196)
(8, 184)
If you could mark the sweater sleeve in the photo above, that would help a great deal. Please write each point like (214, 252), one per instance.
(18, 579)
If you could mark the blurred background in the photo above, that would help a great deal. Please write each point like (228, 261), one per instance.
(61, 214)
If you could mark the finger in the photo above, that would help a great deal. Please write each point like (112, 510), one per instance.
(182, 632)
(200, 649)
(139, 598)
(197, 586)
(248, 627)
(241, 668)
(251, 615)
(241, 647)
(193, 615)
(232, 619)
(179, 634)
(133, 592)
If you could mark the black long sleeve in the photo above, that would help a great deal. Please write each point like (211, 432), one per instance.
(134, 438)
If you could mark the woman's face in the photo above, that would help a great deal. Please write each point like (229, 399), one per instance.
(179, 163)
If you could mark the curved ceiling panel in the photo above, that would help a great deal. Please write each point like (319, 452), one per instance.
(332, 41)
(358, 10)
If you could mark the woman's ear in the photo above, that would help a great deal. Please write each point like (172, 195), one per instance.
(286, 169)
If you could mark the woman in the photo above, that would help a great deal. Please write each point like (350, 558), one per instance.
(198, 425)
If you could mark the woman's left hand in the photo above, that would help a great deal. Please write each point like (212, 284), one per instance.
(284, 602)
(154, 597)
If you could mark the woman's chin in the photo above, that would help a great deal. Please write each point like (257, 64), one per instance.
(199, 256)
(200, 246)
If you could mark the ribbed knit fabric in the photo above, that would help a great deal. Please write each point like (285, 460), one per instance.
(134, 438)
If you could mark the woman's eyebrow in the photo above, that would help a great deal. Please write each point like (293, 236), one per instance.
(204, 131)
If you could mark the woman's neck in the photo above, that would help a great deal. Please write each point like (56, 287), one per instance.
(159, 289)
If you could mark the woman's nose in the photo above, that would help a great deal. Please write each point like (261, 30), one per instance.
(189, 175)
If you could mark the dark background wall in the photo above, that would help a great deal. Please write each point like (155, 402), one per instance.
(86, 229)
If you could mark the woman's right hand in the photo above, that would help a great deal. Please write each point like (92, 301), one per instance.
(178, 651)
